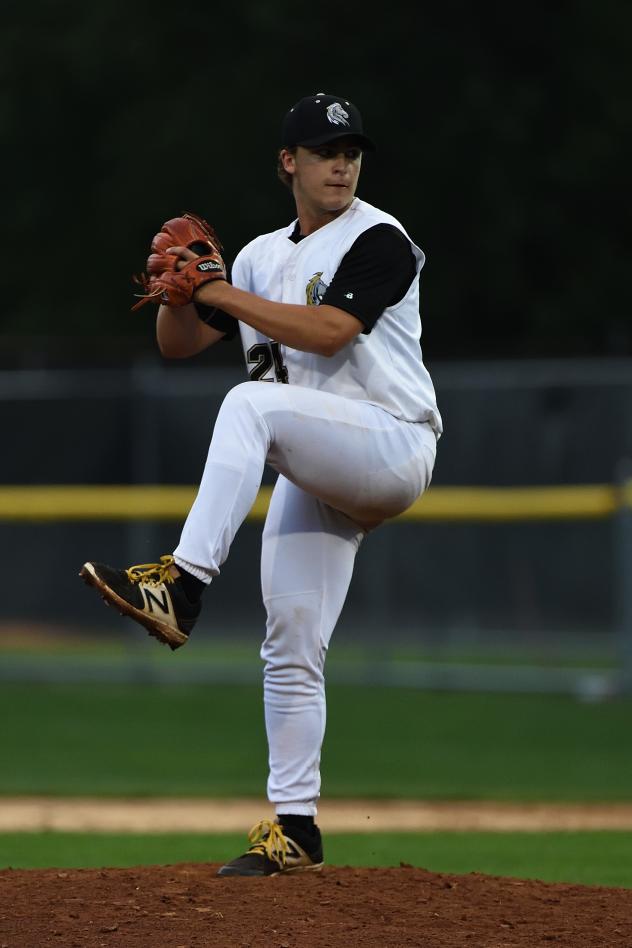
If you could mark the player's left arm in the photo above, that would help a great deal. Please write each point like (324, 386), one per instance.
(324, 332)
(373, 274)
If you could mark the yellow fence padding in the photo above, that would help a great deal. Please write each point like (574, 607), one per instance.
(168, 502)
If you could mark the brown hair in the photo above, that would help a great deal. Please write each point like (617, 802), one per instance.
(282, 174)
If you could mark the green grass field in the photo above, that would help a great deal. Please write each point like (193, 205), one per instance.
(138, 740)
(588, 858)
(382, 742)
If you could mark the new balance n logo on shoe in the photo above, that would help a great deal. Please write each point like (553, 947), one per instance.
(152, 599)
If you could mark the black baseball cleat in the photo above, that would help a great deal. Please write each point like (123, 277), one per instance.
(149, 594)
(274, 852)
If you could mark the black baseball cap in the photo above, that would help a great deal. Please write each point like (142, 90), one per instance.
(318, 119)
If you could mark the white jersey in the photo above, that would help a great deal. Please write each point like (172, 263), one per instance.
(383, 367)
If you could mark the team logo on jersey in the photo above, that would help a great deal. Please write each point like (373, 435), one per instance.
(336, 114)
(315, 290)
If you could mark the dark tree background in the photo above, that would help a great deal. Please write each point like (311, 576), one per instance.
(504, 148)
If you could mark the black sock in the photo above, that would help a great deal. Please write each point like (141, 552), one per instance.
(193, 587)
(305, 823)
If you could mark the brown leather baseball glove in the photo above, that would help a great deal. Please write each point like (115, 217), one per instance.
(163, 282)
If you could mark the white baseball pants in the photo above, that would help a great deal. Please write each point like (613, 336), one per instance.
(344, 466)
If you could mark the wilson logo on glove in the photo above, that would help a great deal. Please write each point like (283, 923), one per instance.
(209, 265)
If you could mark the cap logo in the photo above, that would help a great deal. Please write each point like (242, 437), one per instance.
(336, 114)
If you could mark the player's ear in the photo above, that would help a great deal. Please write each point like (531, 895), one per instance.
(287, 159)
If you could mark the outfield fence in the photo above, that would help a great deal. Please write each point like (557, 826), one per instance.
(489, 586)
(119, 502)
(151, 502)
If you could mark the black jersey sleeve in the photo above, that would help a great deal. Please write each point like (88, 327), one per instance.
(218, 319)
(376, 272)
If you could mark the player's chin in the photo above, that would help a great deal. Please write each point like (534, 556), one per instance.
(338, 198)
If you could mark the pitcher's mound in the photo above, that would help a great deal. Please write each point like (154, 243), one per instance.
(188, 906)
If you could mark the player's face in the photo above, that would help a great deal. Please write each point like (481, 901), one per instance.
(325, 178)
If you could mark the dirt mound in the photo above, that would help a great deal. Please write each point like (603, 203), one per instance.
(188, 906)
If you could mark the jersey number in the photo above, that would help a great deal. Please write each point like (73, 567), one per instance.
(265, 355)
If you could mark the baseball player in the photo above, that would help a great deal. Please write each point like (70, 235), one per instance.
(338, 403)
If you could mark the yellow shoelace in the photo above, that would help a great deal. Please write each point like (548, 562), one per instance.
(152, 574)
(268, 840)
